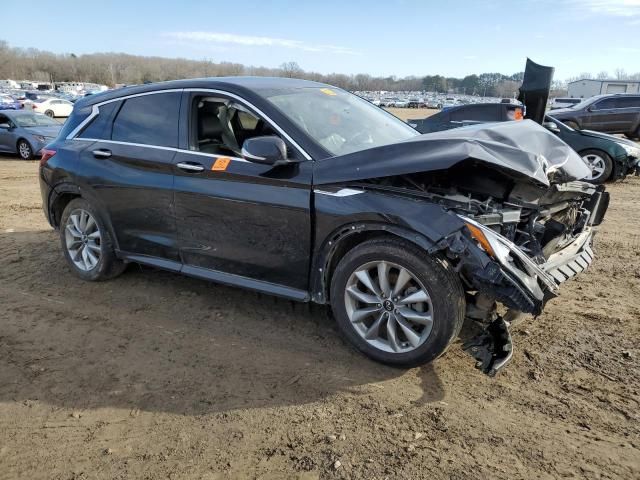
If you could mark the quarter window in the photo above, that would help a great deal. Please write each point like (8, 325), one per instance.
(149, 120)
(100, 127)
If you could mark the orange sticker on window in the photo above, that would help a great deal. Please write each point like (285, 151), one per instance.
(221, 164)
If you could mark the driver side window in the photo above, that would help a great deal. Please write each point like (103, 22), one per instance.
(221, 126)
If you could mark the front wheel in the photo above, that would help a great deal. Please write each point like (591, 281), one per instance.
(24, 150)
(395, 303)
(87, 244)
(573, 125)
(600, 165)
(49, 113)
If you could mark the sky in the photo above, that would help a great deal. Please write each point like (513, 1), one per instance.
(393, 37)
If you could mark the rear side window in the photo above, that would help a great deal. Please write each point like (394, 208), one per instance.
(100, 126)
(149, 120)
(627, 102)
(481, 113)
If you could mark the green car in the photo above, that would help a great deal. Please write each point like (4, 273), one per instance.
(609, 157)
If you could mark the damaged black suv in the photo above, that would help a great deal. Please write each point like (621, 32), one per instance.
(305, 191)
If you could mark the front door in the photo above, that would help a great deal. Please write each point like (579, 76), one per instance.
(7, 139)
(233, 216)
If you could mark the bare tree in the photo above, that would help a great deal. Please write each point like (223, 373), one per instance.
(291, 69)
(603, 75)
(621, 74)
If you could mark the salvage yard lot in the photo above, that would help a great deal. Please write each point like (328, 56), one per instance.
(154, 375)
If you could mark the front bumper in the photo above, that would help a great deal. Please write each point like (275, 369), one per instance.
(575, 258)
(516, 280)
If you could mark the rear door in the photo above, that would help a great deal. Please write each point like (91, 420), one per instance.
(607, 116)
(237, 219)
(129, 168)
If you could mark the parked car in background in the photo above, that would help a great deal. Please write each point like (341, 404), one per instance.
(305, 191)
(564, 103)
(608, 157)
(26, 133)
(7, 102)
(53, 107)
(462, 115)
(617, 113)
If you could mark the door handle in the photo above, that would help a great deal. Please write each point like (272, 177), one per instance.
(190, 167)
(102, 153)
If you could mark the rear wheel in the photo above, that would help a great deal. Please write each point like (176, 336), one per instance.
(49, 113)
(573, 125)
(395, 303)
(87, 244)
(600, 165)
(24, 150)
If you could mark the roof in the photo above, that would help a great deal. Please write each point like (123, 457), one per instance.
(613, 80)
(227, 83)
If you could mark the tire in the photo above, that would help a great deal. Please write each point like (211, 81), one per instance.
(100, 247)
(446, 303)
(24, 150)
(49, 113)
(633, 136)
(573, 125)
(600, 163)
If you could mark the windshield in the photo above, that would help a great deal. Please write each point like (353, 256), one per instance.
(339, 121)
(34, 120)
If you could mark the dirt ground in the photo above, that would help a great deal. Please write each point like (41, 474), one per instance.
(154, 375)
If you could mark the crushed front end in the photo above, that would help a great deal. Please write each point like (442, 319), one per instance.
(516, 221)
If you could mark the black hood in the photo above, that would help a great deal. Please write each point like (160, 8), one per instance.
(534, 92)
(522, 150)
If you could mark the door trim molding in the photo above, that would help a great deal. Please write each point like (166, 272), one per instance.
(217, 276)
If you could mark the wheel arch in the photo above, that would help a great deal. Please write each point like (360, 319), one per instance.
(65, 192)
(347, 237)
(60, 197)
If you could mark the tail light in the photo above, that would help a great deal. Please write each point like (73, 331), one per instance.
(47, 153)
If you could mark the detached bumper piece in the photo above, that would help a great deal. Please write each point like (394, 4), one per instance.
(572, 260)
(492, 349)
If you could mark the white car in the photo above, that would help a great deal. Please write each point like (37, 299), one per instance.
(53, 107)
(564, 103)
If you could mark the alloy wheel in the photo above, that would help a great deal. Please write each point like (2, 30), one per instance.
(83, 240)
(388, 307)
(596, 165)
(24, 150)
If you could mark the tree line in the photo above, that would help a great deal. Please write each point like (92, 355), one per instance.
(119, 68)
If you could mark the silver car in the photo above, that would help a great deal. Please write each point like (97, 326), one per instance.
(26, 133)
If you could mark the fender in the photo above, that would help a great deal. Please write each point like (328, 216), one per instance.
(339, 218)
(67, 187)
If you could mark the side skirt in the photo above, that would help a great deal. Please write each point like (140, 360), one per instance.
(218, 277)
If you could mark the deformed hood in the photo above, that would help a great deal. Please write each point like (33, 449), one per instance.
(522, 149)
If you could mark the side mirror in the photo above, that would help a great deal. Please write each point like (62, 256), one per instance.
(552, 127)
(5, 126)
(268, 150)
